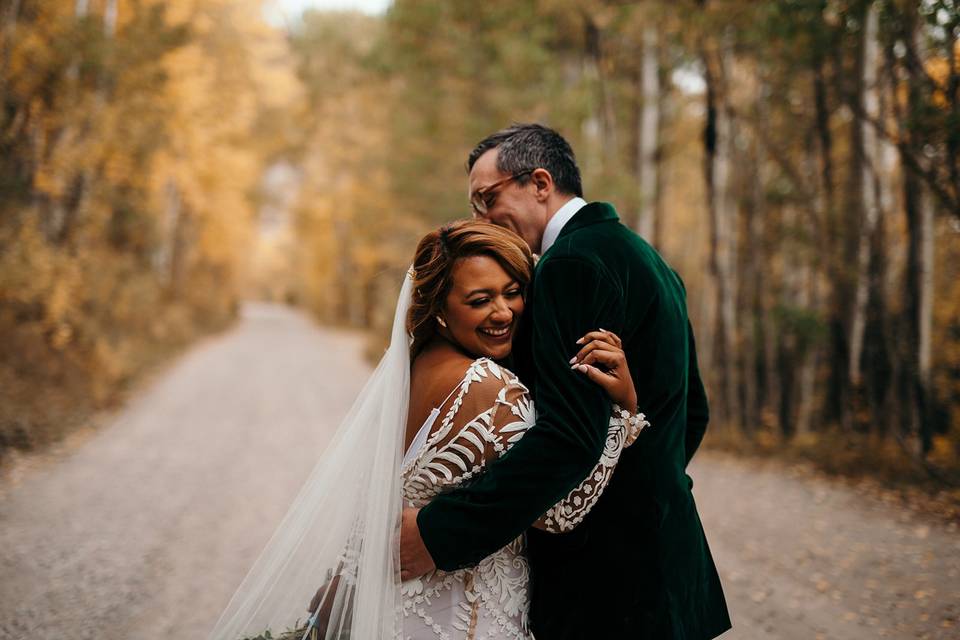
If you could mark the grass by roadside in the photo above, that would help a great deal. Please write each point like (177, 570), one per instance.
(44, 400)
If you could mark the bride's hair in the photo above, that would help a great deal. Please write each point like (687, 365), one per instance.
(433, 264)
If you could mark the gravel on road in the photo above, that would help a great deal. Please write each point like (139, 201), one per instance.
(146, 529)
(807, 557)
(143, 530)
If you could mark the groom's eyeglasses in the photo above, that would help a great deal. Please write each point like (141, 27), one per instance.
(483, 200)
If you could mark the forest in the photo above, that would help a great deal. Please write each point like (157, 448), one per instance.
(797, 162)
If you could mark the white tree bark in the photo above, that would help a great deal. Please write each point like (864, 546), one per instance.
(110, 18)
(871, 156)
(727, 260)
(649, 139)
(162, 258)
(722, 212)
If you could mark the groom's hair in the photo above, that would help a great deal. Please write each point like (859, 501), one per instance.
(522, 147)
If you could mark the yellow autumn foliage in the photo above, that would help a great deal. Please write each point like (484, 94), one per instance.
(130, 208)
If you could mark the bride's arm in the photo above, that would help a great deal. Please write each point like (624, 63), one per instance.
(570, 512)
(601, 348)
(321, 605)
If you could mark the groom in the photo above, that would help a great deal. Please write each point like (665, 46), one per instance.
(638, 566)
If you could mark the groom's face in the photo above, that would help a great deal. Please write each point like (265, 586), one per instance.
(512, 205)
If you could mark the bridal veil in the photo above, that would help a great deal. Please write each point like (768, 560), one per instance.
(344, 522)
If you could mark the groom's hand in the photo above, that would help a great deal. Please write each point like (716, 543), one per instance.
(415, 560)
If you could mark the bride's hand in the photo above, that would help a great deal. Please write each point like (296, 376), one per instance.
(604, 348)
(322, 604)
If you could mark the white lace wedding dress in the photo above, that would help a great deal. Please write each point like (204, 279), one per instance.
(490, 411)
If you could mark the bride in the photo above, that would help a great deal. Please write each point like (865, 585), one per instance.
(437, 409)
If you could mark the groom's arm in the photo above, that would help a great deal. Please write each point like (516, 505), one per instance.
(464, 526)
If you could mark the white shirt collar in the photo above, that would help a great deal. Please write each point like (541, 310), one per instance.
(559, 221)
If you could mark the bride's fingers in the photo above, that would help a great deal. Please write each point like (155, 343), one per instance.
(605, 380)
(604, 335)
(612, 338)
(593, 345)
(607, 357)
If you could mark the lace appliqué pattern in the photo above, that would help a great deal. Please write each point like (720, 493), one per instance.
(490, 411)
(567, 514)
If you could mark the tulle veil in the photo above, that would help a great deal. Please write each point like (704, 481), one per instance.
(344, 522)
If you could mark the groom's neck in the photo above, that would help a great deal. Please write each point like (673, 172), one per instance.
(555, 203)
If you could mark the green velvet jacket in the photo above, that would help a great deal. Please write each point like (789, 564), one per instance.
(638, 566)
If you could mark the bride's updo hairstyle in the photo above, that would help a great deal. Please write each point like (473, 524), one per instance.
(435, 258)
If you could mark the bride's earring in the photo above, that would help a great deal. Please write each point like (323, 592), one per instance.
(441, 322)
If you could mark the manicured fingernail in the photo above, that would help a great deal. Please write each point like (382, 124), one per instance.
(580, 341)
(582, 368)
(602, 329)
(573, 359)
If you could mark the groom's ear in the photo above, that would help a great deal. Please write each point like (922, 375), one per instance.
(543, 181)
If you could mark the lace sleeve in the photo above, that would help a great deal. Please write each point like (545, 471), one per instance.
(490, 412)
(569, 512)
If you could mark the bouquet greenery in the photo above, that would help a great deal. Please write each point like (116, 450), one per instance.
(290, 634)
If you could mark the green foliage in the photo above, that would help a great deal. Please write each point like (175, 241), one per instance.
(291, 634)
(131, 161)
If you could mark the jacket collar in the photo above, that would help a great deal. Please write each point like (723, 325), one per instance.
(591, 213)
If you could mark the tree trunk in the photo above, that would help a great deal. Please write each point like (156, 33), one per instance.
(718, 148)
(758, 369)
(925, 338)
(110, 18)
(953, 102)
(75, 209)
(648, 143)
(810, 298)
(753, 250)
(162, 258)
(8, 25)
(62, 215)
(831, 251)
(918, 305)
(869, 193)
(607, 115)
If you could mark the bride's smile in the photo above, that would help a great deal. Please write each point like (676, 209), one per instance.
(483, 308)
(495, 332)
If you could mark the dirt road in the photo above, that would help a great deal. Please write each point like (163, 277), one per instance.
(802, 557)
(143, 530)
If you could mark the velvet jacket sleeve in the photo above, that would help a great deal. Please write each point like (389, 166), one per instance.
(698, 413)
(570, 297)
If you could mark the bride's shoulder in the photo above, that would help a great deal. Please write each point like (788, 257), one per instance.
(441, 373)
(486, 369)
(485, 384)
(480, 372)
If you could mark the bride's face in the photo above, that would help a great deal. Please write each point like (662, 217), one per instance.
(483, 307)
